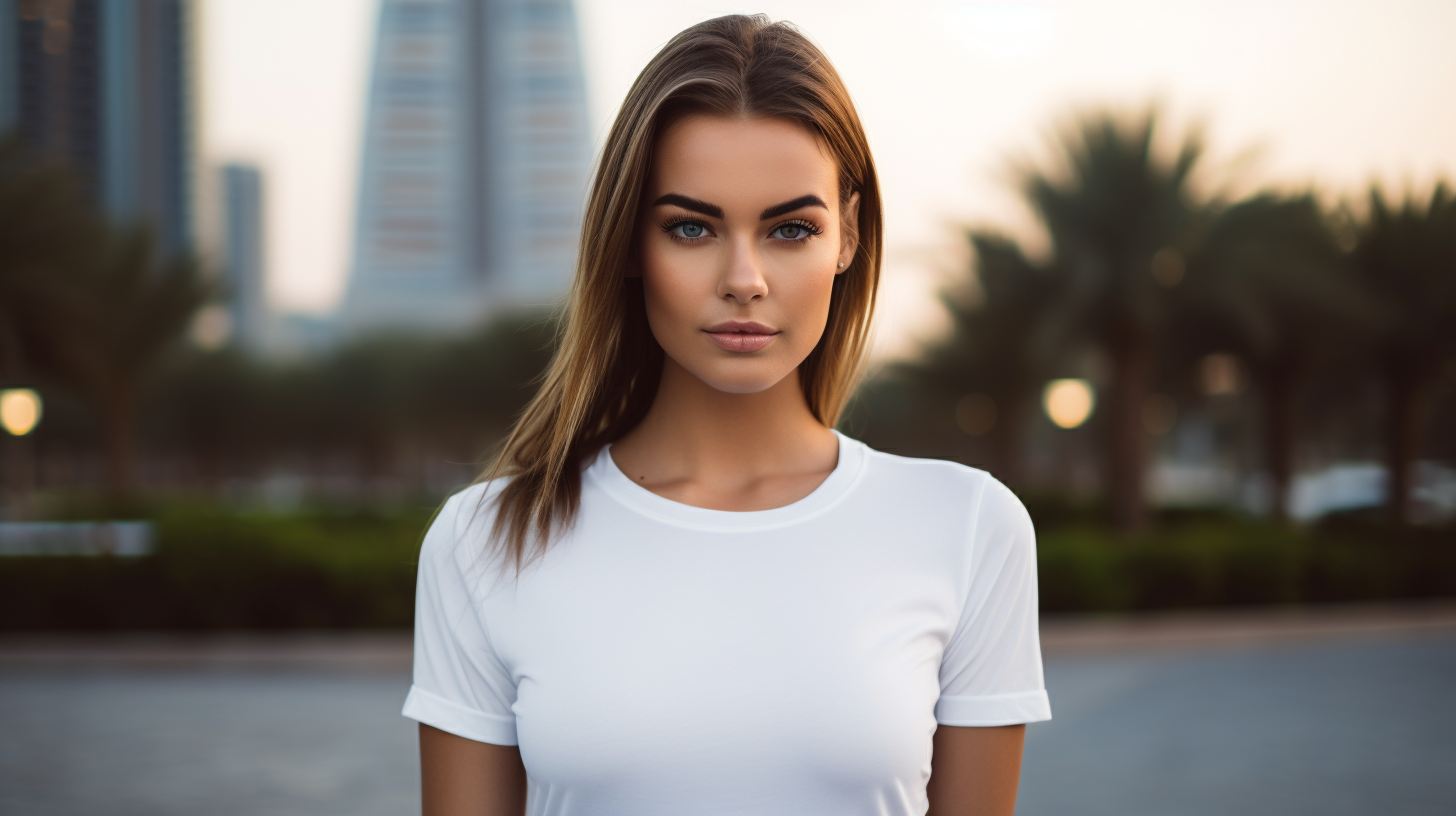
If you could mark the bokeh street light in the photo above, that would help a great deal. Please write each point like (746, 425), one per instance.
(1219, 375)
(1069, 402)
(976, 414)
(20, 410)
(1160, 413)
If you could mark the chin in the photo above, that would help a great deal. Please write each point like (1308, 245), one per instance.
(738, 378)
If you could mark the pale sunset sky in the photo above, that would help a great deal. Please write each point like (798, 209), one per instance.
(1332, 93)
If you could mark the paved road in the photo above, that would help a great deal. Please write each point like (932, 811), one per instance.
(1321, 727)
(1324, 729)
(205, 742)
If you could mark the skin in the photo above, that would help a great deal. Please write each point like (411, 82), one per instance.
(742, 221)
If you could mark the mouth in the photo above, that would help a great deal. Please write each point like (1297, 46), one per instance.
(738, 336)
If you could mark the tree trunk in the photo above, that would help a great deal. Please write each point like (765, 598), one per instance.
(1127, 439)
(18, 453)
(120, 410)
(1005, 441)
(1281, 399)
(12, 357)
(1403, 420)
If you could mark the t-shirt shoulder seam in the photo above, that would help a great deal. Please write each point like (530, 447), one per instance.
(483, 559)
(896, 459)
(477, 496)
(973, 531)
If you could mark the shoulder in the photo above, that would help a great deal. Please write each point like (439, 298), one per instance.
(459, 534)
(939, 479)
(937, 485)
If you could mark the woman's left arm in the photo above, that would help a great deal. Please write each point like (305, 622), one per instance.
(974, 771)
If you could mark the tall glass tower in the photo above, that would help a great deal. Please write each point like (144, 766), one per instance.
(243, 249)
(475, 163)
(105, 87)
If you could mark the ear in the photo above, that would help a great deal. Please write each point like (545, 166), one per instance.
(849, 232)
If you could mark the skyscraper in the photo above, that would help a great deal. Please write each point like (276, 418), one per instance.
(475, 163)
(243, 253)
(105, 87)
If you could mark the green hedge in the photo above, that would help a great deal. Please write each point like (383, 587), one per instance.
(218, 570)
(225, 570)
(1229, 562)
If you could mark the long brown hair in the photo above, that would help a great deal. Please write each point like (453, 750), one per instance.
(605, 372)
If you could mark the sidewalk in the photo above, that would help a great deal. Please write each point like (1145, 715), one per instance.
(1244, 626)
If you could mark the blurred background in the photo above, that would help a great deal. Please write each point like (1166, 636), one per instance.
(275, 276)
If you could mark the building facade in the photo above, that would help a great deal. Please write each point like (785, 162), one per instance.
(105, 86)
(475, 162)
(243, 254)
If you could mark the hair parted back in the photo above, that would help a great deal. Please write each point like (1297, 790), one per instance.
(606, 368)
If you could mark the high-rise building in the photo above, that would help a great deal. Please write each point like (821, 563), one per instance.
(475, 163)
(243, 254)
(105, 87)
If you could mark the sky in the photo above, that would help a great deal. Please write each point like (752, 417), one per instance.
(1291, 93)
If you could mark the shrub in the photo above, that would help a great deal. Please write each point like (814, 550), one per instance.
(216, 569)
(1229, 562)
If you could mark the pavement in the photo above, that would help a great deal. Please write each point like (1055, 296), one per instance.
(1338, 710)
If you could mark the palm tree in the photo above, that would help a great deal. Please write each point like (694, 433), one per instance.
(1407, 259)
(997, 347)
(133, 309)
(84, 302)
(1121, 219)
(46, 230)
(1273, 284)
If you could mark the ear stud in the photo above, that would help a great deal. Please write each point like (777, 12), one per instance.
(841, 264)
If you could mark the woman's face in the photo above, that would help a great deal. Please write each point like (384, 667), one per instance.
(741, 237)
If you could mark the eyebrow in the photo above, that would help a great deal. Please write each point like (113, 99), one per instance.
(790, 206)
(692, 204)
(714, 211)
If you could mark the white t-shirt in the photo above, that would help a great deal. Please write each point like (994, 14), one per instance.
(668, 660)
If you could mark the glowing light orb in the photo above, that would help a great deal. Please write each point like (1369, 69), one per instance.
(976, 414)
(20, 410)
(1160, 413)
(1219, 375)
(1068, 402)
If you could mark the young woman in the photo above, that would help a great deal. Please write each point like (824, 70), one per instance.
(679, 591)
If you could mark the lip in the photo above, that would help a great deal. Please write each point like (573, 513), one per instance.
(741, 336)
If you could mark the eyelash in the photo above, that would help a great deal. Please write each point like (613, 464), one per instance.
(670, 226)
(808, 227)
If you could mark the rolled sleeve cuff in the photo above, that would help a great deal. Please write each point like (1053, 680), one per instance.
(994, 709)
(436, 711)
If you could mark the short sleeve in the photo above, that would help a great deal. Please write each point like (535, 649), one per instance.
(991, 672)
(460, 684)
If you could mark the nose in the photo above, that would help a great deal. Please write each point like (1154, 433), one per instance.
(742, 278)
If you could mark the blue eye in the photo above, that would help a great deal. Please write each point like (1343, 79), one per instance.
(691, 230)
(793, 231)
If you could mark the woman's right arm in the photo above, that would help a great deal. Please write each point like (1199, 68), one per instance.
(462, 777)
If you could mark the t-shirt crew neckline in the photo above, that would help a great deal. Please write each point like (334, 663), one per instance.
(604, 473)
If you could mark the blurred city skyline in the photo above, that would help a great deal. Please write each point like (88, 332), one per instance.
(1330, 94)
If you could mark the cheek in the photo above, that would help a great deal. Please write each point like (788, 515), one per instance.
(674, 293)
(803, 291)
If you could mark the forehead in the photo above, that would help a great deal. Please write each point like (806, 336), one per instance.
(755, 161)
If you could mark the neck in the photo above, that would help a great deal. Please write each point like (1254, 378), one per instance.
(694, 429)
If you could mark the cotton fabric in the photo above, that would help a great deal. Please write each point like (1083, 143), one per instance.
(662, 659)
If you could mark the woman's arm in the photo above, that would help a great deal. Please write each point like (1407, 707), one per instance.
(974, 771)
(462, 777)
